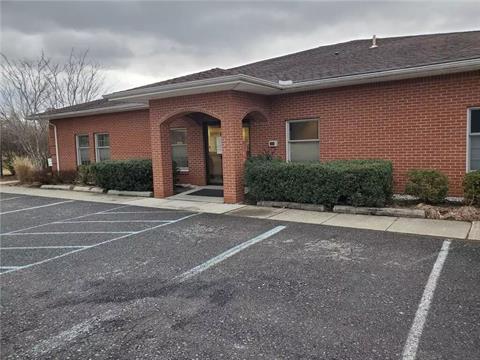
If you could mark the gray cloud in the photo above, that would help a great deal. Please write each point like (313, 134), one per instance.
(149, 41)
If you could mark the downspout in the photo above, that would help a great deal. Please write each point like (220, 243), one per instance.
(56, 146)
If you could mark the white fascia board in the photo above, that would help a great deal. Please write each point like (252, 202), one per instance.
(103, 110)
(194, 87)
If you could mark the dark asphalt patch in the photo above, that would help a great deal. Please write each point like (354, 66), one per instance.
(126, 215)
(54, 240)
(75, 226)
(20, 220)
(311, 291)
(21, 257)
(25, 202)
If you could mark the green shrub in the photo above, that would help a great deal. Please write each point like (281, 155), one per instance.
(471, 187)
(352, 182)
(85, 175)
(431, 186)
(132, 175)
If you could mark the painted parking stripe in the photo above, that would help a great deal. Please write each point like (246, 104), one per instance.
(98, 244)
(145, 212)
(36, 207)
(72, 218)
(225, 255)
(9, 267)
(415, 333)
(11, 198)
(110, 221)
(69, 232)
(44, 247)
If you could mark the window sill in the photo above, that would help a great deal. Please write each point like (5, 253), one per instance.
(183, 171)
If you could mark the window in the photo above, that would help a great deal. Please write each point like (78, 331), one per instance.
(473, 151)
(178, 139)
(302, 140)
(102, 147)
(83, 150)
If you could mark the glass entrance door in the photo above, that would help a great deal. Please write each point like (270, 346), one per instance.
(214, 150)
(214, 154)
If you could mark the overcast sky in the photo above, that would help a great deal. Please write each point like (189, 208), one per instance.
(142, 42)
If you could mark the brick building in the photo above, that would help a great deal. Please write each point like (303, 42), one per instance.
(413, 100)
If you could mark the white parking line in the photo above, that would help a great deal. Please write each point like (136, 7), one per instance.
(144, 212)
(68, 232)
(225, 255)
(110, 221)
(72, 218)
(11, 198)
(36, 207)
(98, 244)
(44, 247)
(413, 339)
(9, 267)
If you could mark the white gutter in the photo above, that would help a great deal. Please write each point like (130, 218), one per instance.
(273, 88)
(57, 157)
(222, 80)
(102, 110)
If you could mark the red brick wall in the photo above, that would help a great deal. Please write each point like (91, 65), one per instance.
(418, 123)
(129, 136)
(195, 150)
(228, 107)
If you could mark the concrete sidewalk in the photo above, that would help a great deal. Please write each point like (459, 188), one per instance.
(443, 228)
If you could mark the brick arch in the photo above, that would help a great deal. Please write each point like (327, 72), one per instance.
(260, 112)
(175, 114)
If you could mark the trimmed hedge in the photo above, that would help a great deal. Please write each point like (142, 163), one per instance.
(349, 182)
(471, 187)
(430, 186)
(132, 175)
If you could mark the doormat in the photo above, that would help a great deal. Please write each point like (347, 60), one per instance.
(207, 192)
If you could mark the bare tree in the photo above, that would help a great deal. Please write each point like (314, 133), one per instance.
(30, 87)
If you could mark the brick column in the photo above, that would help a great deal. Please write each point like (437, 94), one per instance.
(232, 160)
(161, 158)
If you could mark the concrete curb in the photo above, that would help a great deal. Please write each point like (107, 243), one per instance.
(396, 212)
(91, 189)
(291, 205)
(130, 193)
(57, 187)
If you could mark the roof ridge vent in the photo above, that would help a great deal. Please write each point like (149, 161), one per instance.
(285, 82)
(374, 42)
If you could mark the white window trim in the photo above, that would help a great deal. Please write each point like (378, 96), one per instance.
(182, 169)
(469, 118)
(77, 143)
(288, 141)
(101, 147)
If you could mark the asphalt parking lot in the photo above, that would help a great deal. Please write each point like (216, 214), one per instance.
(104, 281)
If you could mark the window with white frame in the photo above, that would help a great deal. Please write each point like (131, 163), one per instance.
(178, 139)
(83, 150)
(473, 139)
(302, 140)
(102, 147)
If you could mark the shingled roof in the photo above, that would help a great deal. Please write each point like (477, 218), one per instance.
(353, 57)
(335, 61)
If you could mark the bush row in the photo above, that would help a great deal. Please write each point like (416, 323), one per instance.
(351, 182)
(132, 175)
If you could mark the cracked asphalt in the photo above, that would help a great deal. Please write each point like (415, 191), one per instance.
(88, 280)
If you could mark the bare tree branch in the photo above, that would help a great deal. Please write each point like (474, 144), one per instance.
(32, 86)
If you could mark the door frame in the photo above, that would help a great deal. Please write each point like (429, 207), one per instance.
(206, 124)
